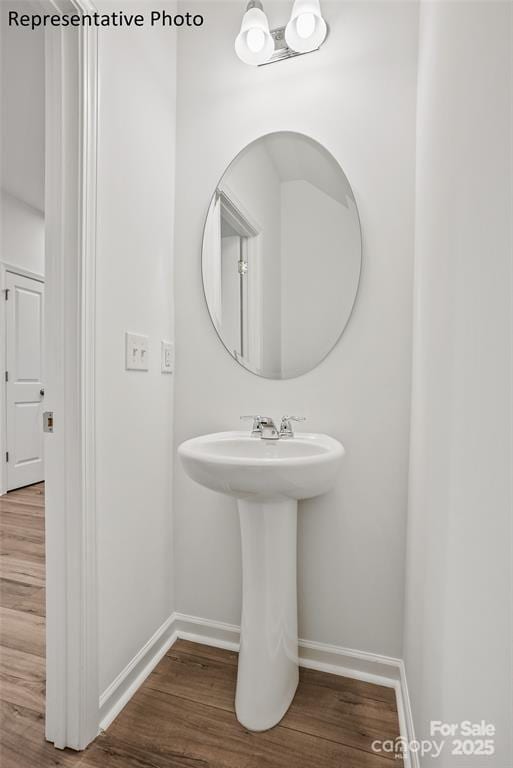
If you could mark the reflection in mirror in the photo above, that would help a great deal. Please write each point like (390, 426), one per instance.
(281, 255)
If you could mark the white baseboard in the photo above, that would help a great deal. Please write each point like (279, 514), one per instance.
(358, 665)
(406, 724)
(121, 690)
(215, 633)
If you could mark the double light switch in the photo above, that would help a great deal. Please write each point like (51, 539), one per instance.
(137, 355)
(136, 352)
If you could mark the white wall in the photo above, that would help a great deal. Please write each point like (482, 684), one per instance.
(22, 135)
(315, 302)
(459, 601)
(22, 234)
(135, 293)
(22, 117)
(357, 97)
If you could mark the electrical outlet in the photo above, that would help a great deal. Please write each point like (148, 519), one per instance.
(136, 352)
(167, 354)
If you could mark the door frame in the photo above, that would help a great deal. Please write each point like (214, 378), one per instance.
(5, 267)
(72, 693)
(244, 219)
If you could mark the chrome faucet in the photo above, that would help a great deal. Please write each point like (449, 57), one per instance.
(265, 428)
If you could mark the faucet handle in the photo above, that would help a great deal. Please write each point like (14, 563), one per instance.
(256, 429)
(286, 426)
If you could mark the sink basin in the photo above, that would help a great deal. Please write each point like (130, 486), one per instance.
(239, 465)
(267, 477)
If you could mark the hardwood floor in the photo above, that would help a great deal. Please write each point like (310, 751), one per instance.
(183, 715)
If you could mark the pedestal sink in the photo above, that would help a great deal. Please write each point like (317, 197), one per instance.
(267, 477)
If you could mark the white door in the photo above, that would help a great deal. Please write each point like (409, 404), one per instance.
(24, 386)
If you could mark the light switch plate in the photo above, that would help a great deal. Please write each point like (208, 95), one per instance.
(167, 356)
(136, 352)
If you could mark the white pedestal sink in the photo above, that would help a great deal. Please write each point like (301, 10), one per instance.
(267, 477)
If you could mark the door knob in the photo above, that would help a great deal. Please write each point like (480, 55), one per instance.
(42, 392)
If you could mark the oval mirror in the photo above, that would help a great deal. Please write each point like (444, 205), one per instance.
(281, 255)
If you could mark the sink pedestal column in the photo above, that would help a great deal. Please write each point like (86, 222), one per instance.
(268, 661)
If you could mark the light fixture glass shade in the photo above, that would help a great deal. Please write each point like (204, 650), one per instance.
(254, 43)
(306, 29)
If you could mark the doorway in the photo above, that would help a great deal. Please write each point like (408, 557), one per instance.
(50, 362)
(234, 245)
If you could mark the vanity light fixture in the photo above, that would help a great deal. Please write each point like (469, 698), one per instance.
(256, 44)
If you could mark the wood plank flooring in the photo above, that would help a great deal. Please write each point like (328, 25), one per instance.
(183, 715)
